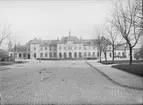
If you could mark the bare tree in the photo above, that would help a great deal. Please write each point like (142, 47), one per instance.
(99, 34)
(104, 45)
(114, 39)
(125, 19)
(15, 42)
(5, 32)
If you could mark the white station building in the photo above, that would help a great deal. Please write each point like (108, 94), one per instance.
(69, 47)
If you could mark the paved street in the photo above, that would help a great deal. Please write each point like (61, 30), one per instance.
(61, 82)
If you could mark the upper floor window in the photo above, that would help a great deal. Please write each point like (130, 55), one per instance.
(55, 48)
(46, 48)
(34, 48)
(93, 47)
(50, 48)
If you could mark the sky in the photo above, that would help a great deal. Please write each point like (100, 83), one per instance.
(53, 19)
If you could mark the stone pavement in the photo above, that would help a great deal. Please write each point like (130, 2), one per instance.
(63, 82)
(121, 77)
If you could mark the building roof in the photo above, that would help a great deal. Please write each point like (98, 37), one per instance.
(63, 40)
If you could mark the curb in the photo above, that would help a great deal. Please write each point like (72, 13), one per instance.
(113, 81)
(4, 69)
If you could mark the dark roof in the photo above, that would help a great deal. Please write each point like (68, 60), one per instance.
(22, 48)
(64, 40)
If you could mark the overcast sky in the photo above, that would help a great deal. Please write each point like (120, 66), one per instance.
(49, 20)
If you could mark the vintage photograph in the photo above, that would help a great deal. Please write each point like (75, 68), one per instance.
(71, 52)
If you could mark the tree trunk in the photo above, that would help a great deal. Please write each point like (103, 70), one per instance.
(130, 55)
(105, 56)
(100, 55)
(113, 54)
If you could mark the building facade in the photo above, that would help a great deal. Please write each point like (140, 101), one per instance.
(69, 47)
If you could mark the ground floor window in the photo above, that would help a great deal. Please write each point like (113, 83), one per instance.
(93, 54)
(70, 55)
(46, 54)
(65, 55)
(50, 54)
(80, 54)
(60, 55)
(89, 54)
(19, 55)
(55, 54)
(84, 54)
(41, 54)
(110, 54)
(75, 55)
(24, 55)
(34, 55)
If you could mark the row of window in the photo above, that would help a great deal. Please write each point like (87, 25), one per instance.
(70, 48)
(118, 54)
(50, 54)
(65, 54)
(45, 48)
(77, 54)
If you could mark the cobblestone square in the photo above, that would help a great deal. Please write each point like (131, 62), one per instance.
(61, 82)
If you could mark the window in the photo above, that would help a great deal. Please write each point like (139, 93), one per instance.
(89, 54)
(34, 48)
(50, 48)
(65, 55)
(24, 55)
(80, 54)
(46, 54)
(84, 47)
(110, 54)
(34, 55)
(119, 53)
(41, 54)
(75, 54)
(84, 54)
(93, 47)
(19, 55)
(50, 54)
(46, 48)
(70, 55)
(123, 53)
(93, 54)
(55, 54)
(60, 55)
(41, 48)
(55, 48)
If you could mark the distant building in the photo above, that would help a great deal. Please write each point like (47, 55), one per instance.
(69, 47)
(21, 51)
